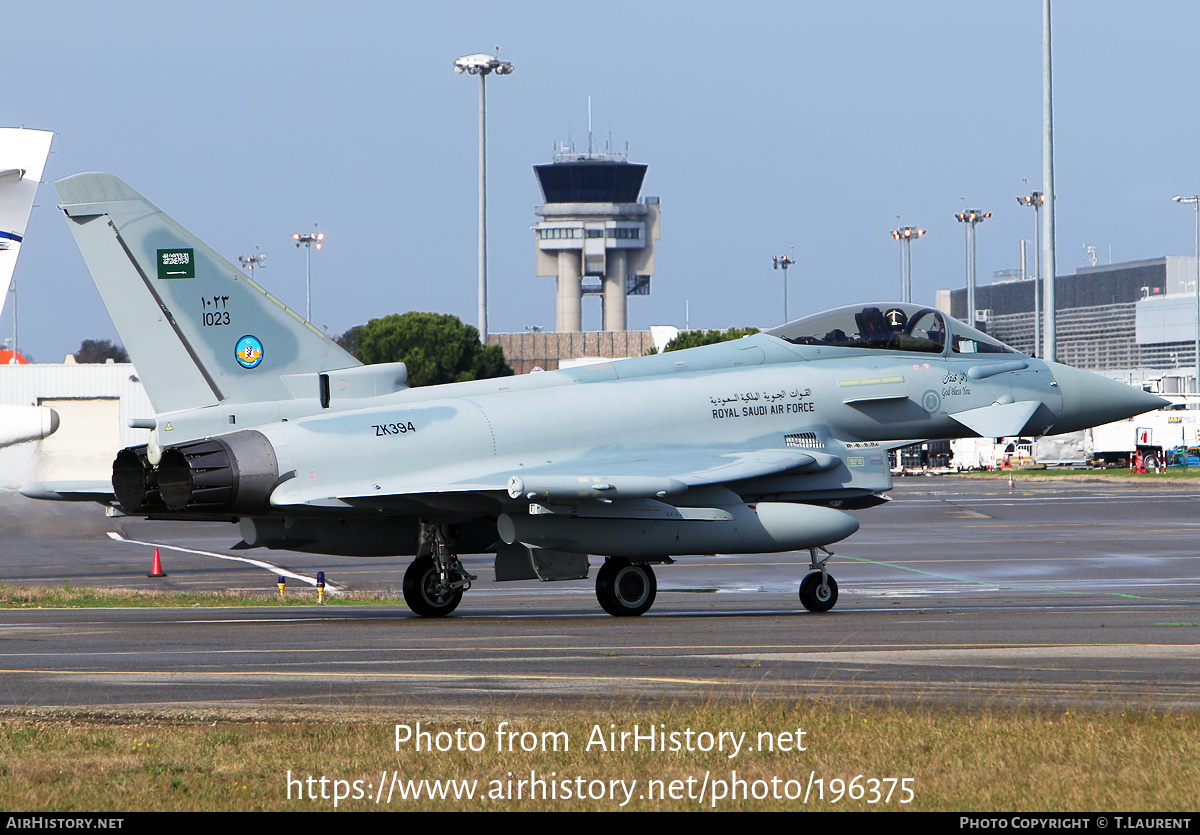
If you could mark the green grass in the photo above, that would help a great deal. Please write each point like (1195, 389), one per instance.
(981, 760)
(41, 597)
(228, 759)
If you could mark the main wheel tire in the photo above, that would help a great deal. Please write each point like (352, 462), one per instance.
(816, 598)
(625, 589)
(421, 594)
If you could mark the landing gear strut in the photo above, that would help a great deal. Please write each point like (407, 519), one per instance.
(435, 582)
(625, 589)
(818, 590)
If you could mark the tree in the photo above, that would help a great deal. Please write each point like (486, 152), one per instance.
(436, 347)
(693, 339)
(100, 350)
(349, 340)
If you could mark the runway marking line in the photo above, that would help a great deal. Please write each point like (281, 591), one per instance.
(996, 655)
(620, 650)
(739, 683)
(1021, 588)
(274, 569)
(908, 687)
(325, 674)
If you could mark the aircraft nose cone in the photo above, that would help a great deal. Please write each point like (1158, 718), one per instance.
(1091, 400)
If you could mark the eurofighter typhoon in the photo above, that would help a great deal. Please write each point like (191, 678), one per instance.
(750, 446)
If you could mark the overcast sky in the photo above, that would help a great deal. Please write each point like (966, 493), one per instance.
(765, 125)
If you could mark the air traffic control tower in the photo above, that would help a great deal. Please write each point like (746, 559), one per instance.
(593, 227)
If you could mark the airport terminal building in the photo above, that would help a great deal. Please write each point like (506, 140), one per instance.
(1135, 321)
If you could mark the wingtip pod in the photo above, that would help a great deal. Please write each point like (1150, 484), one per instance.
(26, 423)
(1089, 399)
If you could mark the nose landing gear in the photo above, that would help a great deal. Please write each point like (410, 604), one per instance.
(818, 590)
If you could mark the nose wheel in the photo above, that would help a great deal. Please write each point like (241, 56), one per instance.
(818, 589)
(625, 589)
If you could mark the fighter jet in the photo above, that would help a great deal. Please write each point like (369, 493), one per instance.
(756, 445)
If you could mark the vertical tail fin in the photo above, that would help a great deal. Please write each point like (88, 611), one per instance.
(199, 330)
(22, 159)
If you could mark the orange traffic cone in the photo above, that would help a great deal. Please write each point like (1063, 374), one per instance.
(156, 567)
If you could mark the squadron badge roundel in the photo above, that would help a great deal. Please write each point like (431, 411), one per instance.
(249, 352)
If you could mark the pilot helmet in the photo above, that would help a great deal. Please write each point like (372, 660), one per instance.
(896, 318)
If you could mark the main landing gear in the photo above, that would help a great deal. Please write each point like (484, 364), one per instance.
(435, 582)
(818, 590)
(625, 589)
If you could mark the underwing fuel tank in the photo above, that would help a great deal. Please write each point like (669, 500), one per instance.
(765, 527)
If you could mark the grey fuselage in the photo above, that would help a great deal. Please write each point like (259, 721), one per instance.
(456, 446)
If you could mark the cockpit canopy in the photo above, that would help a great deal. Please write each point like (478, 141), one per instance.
(890, 327)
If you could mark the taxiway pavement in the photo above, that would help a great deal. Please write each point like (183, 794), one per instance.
(959, 591)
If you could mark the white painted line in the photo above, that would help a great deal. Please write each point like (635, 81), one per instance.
(979, 656)
(274, 569)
